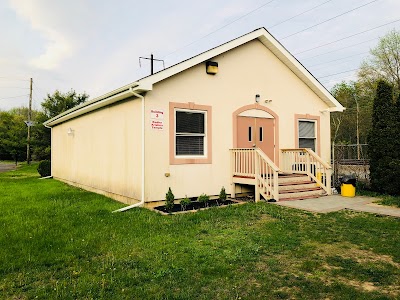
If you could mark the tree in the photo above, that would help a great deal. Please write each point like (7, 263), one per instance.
(384, 64)
(12, 136)
(383, 151)
(58, 102)
(352, 125)
(53, 105)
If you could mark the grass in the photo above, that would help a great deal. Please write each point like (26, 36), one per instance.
(381, 198)
(60, 242)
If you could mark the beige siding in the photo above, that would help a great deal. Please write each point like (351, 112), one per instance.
(104, 151)
(243, 72)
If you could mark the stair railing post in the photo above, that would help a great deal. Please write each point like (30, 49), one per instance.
(233, 165)
(276, 186)
(328, 181)
(257, 170)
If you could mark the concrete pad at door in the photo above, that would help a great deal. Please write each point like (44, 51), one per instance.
(337, 202)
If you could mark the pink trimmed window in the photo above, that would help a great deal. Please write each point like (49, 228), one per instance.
(190, 133)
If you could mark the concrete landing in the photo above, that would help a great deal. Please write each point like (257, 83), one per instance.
(336, 202)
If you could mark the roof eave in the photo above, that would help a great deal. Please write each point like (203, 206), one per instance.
(99, 102)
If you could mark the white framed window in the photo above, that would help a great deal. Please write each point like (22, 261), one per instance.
(307, 134)
(190, 133)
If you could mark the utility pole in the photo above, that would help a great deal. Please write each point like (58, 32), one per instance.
(28, 145)
(152, 59)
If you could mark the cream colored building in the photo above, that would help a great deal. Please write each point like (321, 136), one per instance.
(176, 128)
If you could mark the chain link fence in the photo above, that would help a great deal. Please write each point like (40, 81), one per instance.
(350, 160)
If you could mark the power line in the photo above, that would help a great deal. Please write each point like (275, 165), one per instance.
(319, 77)
(14, 97)
(212, 32)
(341, 78)
(347, 37)
(10, 78)
(302, 13)
(339, 49)
(342, 14)
(328, 62)
(13, 87)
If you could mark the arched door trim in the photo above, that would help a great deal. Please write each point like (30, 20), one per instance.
(257, 107)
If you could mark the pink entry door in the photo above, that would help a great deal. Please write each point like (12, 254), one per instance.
(256, 132)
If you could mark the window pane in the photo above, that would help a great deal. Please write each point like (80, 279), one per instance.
(188, 122)
(307, 143)
(306, 129)
(190, 145)
(250, 133)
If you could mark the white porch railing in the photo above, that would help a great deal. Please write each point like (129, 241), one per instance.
(306, 161)
(255, 164)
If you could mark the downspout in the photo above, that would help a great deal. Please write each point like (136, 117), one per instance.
(143, 156)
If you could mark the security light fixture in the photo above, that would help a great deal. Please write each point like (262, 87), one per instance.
(70, 131)
(257, 98)
(211, 67)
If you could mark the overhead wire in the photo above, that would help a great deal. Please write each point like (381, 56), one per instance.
(307, 58)
(348, 71)
(14, 87)
(343, 58)
(330, 19)
(218, 29)
(6, 98)
(13, 78)
(347, 37)
(302, 13)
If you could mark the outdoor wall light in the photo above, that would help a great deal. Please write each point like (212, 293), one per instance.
(211, 67)
(257, 98)
(70, 131)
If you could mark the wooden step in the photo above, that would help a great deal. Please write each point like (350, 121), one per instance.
(300, 198)
(301, 185)
(301, 193)
(283, 178)
(299, 190)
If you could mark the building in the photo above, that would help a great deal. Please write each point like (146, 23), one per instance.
(237, 116)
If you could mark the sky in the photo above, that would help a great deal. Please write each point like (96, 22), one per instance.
(94, 46)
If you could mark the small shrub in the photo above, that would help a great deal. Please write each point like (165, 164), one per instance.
(222, 195)
(203, 198)
(44, 168)
(169, 200)
(185, 202)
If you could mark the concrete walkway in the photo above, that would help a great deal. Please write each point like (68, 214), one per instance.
(336, 202)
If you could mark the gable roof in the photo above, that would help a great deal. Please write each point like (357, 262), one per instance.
(146, 83)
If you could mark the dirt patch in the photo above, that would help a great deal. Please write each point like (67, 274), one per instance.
(347, 250)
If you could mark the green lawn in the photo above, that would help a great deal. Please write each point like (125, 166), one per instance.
(61, 242)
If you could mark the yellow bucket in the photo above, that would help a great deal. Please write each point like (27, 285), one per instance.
(348, 190)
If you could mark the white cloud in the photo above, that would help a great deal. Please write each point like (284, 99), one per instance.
(59, 45)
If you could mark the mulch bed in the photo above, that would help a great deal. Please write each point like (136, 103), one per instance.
(195, 206)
